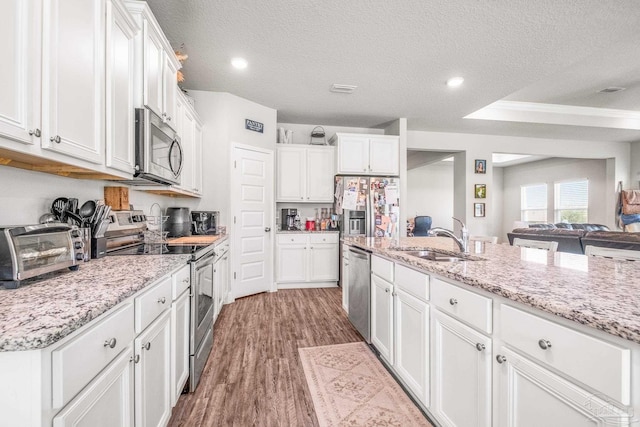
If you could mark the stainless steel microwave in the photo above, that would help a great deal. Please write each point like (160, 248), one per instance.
(159, 156)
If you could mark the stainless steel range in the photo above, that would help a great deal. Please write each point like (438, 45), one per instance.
(125, 236)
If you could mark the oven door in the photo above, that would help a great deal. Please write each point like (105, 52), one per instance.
(201, 299)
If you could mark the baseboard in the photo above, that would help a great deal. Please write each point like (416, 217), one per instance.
(307, 285)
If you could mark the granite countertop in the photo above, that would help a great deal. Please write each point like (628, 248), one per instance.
(306, 231)
(596, 292)
(48, 308)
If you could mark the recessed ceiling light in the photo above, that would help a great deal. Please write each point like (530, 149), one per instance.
(455, 81)
(611, 89)
(239, 63)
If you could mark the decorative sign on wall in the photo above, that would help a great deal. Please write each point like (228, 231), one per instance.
(253, 125)
(478, 209)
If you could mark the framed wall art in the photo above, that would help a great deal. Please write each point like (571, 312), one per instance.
(481, 166)
(480, 191)
(478, 209)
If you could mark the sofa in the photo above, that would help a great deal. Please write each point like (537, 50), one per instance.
(573, 238)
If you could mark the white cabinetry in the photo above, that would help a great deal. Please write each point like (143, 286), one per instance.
(461, 373)
(120, 89)
(190, 130)
(73, 91)
(344, 278)
(307, 260)
(305, 174)
(367, 154)
(220, 277)
(382, 317)
(180, 323)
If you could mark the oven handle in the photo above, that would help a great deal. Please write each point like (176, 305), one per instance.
(207, 260)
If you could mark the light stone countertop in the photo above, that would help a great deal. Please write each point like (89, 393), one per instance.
(306, 231)
(596, 292)
(46, 309)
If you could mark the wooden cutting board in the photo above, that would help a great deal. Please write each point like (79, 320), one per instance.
(193, 240)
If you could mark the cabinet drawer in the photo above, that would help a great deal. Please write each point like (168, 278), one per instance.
(152, 303)
(180, 281)
(382, 267)
(222, 247)
(76, 363)
(284, 239)
(412, 282)
(324, 238)
(594, 362)
(465, 305)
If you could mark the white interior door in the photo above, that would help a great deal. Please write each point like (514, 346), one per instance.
(252, 207)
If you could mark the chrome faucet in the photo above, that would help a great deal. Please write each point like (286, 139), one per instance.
(462, 241)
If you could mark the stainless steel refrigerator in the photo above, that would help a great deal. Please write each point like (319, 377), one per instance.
(369, 206)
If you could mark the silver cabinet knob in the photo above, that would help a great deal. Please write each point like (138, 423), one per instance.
(35, 132)
(169, 118)
(147, 346)
(56, 139)
(501, 359)
(110, 343)
(301, 198)
(394, 294)
(311, 247)
(386, 290)
(185, 280)
(544, 344)
(480, 346)
(162, 300)
(135, 358)
(453, 301)
(267, 229)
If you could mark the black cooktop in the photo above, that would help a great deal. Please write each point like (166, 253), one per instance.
(158, 249)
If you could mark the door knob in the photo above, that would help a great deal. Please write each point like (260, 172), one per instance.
(267, 229)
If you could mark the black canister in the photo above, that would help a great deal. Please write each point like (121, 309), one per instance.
(179, 222)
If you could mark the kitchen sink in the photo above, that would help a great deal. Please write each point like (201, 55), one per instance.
(431, 255)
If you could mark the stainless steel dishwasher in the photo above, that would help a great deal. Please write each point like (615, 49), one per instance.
(360, 291)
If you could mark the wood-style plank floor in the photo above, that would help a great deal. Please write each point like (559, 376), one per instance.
(253, 376)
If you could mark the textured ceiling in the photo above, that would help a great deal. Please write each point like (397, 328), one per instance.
(400, 53)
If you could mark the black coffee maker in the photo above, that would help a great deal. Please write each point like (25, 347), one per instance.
(288, 218)
(205, 222)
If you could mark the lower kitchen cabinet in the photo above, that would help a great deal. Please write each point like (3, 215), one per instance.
(180, 322)
(412, 344)
(152, 373)
(307, 260)
(461, 373)
(382, 317)
(106, 401)
(344, 278)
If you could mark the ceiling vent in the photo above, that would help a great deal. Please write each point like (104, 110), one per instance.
(338, 88)
(611, 89)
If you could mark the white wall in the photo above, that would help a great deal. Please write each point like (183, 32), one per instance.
(302, 132)
(430, 192)
(495, 192)
(635, 166)
(550, 171)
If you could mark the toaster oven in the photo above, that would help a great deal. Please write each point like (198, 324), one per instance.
(31, 250)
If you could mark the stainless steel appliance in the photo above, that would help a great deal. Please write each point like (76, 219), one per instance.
(179, 222)
(125, 236)
(368, 206)
(288, 218)
(31, 250)
(205, 222)
(158, 153)
(360, 291)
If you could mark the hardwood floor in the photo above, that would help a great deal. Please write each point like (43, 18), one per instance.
(253, 376)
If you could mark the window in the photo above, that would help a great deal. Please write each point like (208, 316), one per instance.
(533, 203)
(571, 201)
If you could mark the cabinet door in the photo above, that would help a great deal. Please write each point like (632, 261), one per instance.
(225, 279)
(382, 317)
(384, 156)
(290, 174)
(20, 35)
(153, 374)
(217, 288)
(196, 159)
(320, 174)
(154, 60)
(323, 262)
(344, 278)
(169, 85)
(106, 401)
(73, 86)
(353, 155)
(529, 395)
(120, 72)
(412, 344)
(179, 345)
(292, 261)
(461, 374)
(187, 141)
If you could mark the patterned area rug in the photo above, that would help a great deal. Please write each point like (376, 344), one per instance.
(350, 387)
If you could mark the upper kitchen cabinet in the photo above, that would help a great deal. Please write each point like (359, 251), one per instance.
(120, 73)
(73, 61)
(360, 154)
(305, 173)
(190, 131)
(156, 66)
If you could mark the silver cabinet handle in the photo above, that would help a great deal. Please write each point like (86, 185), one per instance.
(168, 118)
(35, 132)
(56, 139)
(501, 359)
(267, 229)
(135, 358)
(394, 294)
(480, 346)
(386, 290)
(185, 280)
(162, 300)
(544, 344)
(110, 343)
(147, 346)
(453, 301)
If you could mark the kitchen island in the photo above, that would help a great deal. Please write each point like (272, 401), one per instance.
(507, 336)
